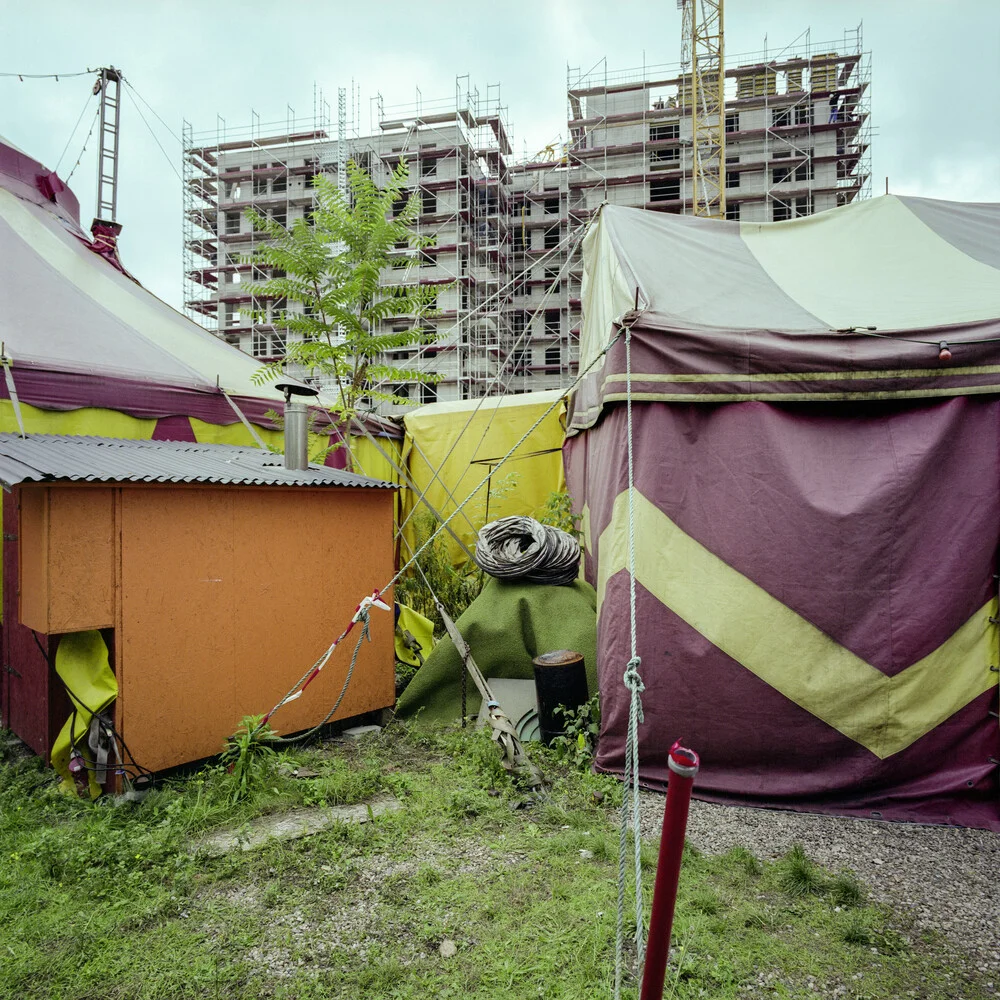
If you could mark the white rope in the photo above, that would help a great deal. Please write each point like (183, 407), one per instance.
(629, 814)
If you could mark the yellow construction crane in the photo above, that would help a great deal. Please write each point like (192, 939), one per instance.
(703, 79)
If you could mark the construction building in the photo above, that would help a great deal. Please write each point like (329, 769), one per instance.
(507, 235)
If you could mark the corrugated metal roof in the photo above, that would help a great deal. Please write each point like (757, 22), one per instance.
(55, 458)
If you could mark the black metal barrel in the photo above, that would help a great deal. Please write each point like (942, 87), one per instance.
(560, 679)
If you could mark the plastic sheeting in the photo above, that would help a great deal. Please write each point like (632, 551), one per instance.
(451, 447)
(82, 665)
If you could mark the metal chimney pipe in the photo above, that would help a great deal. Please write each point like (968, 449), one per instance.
(296, 435)
(296, 424)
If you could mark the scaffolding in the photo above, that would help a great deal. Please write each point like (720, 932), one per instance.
(503, 243)
(227, 171)
(458, 150)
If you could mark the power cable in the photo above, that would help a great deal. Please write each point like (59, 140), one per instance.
(97, 112)
(83, 111)
(152, 111)
(48, 76)
(166, 155)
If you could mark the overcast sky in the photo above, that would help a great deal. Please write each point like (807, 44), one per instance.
(935, 70)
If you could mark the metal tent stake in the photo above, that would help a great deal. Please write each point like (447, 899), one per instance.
(683, 768)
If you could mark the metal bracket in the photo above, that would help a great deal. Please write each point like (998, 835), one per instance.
(11, 670)
(9, 537)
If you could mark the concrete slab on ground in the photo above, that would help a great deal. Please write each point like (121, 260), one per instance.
(292, 825)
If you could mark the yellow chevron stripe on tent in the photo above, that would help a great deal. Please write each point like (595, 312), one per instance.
(883, 714)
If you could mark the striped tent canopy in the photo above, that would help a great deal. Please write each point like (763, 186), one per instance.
(844, 305)
(82, 335)
(816, 432)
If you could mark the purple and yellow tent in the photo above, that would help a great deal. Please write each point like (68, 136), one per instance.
(816, 427)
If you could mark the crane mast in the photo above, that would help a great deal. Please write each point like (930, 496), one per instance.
(704, 78)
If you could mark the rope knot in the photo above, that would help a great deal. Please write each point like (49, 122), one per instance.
(632, 679)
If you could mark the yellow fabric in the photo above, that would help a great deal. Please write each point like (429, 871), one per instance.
(367, 460)
(85, 420)
(82, 663)
(237, 434)
(520, 486)
(883, 714)
(421, 628)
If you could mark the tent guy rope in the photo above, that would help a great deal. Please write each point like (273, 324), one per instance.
(629, 814)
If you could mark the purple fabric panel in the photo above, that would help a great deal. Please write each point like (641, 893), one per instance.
(759, 748)
(880, 527)
(61, 390)
(878, 523)
(701, 351)
(173, 428)
(336, 459)
(25, 177)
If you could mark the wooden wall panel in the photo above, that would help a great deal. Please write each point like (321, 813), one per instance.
(229, 594)
(67, 536)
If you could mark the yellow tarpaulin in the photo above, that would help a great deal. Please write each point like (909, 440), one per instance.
(421, 631)
(466, 444)
(82, 663)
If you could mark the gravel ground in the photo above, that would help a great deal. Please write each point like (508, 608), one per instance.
(946, 878)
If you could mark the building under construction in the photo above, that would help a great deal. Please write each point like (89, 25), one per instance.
(506, 235)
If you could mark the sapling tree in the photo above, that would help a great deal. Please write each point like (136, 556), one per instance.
(347, 265)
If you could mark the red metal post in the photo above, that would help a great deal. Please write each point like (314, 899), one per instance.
(683, 768)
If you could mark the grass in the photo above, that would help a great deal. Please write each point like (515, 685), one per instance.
(105, 901)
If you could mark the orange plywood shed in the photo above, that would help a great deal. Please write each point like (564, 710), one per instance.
(220, 593)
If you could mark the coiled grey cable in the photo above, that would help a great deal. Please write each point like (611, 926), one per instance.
(521, 548)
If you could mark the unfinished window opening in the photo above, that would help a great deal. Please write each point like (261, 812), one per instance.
(664, 131)
(553, 357)
(551, 238)
(232, 223)
(781, 117)
(665, 190)
(791, 208)
(733, 211)
(428, 168)
(732, 179)
(551, 323)
(660, 157)
(733, 122)
(428, 202)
